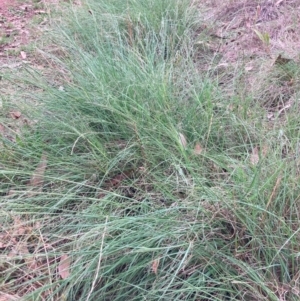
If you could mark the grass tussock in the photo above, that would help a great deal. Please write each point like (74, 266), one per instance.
(139, 179)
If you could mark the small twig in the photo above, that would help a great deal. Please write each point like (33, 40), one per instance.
(287, 106)
(47, 259)
(80, 136)
(257, 15)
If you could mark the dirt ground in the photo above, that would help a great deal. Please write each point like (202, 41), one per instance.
(237, 29)
(5, 3)
(14, 31)
(257, 39)
(255, 27)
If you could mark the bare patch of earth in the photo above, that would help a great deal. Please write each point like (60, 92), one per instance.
(14, 26)
(260, 41)
(17, 39)
(239, 23)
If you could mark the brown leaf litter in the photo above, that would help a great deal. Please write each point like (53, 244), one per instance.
(259, 40)
(64, 266)
(23, 244)
(235, 21)
(37, 178)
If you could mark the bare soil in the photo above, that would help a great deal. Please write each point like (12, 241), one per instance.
(259, 40)
(238, 24)
(14, 31)
(5, 3)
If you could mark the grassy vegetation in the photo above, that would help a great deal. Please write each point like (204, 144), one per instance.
(139, 176)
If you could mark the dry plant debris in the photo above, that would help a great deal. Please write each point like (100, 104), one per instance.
(235, 22)
(15, 114)
(198, 149)
(14, 24)
(37, 178)
(154, 266)
(64, 266)
(23, 244)
(254, 158)
(182, 140)
(258, 39)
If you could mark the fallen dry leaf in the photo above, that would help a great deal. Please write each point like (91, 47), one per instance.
(154, 266)
(101, 195)
(31, 262)
(64, 266)
(254, 157)
(265, 150)
(15, 114)
(19, 249)
(40, 12)
(7, 297)
(258, 11)
(280, 60)
(116, 180)
(142, 169)
(23, 55)
(4, 240)
(12, 192)
(19, 228)
(182, 140)
(198, 149)
(22, 249)
(37, 178)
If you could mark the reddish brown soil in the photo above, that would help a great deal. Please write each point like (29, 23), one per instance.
(14, 29)
(5, 3)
